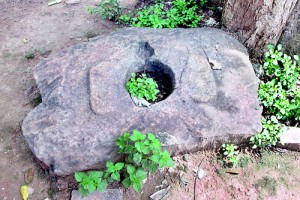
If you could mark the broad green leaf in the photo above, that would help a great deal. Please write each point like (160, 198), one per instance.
(109, 164)
(139, 146)
(102, 185)
(94, 174)
(155, 158)
(126, 182)
(141, 174)
(137, 158)
(130, 169)
(91, 187)
(115, 176)
(137, 186)
(151, 136)
(152, 167)
(79, 176)
(119, 166)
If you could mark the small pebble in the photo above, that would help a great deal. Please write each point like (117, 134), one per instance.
(171, 170)
(200, 173)
(29, 174)
(186, 157)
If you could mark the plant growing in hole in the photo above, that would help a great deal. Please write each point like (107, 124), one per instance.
(142, 153)
(271, 134)
(142, 87)
(230, 154)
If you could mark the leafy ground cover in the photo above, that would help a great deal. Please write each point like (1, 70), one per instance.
(159, 13)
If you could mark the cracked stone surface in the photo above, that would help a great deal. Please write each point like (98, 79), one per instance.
(86, 106)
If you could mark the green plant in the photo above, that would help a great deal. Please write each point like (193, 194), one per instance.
(270, 135)
(142, 86)
(109, 9)
(279, 92)
(184, 13)
(142, 154)
(230, 154)
(90, 181)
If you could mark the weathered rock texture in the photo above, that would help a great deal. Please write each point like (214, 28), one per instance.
(291, 139)
(291, 34)
(86, 106)
(257, 22)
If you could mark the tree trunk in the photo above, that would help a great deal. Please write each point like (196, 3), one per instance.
(257, 22)
(291, 34)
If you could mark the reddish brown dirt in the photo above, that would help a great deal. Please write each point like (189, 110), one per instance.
(27, 25)
(227, 183)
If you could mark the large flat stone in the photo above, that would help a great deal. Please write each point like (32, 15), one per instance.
(291, 139)
(109, 194)
(86, 106)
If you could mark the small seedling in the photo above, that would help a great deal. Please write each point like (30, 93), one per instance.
(270, 135)
(142, 87)
(143, 155)
(230, 154)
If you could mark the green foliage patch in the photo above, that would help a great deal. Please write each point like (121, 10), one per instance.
(143, 155)
(230, 154)
(270, 135)
(180, 13)
(142, 87)
(279, 93)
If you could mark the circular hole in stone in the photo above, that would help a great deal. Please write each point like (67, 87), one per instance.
(163, 76)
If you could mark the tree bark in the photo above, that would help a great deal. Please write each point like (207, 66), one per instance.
(257, 22)
(291, 34)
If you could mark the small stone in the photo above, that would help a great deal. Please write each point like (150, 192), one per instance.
(140, 102)
(164, 182)
(211, 22)
(258, 69)
(171, 170)
(210, 13)
(159, 195)
(72, 2)
(183, 181)
(29, 174)
(200, 173)
(186, 157)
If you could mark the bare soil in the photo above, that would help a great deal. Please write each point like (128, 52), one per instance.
(31, 28)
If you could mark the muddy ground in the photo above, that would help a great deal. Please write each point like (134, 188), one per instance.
(30, 27)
